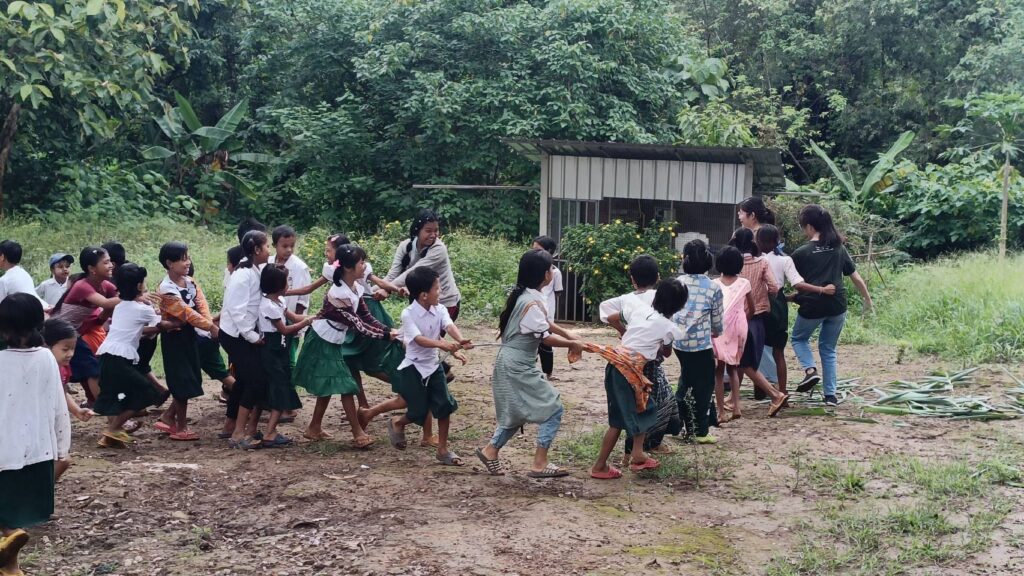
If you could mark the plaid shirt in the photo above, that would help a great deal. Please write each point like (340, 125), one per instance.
(701, 318)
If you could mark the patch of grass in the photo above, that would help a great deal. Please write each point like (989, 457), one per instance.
(836, 477)
(581, 449)
(705, 546)
(940, 479)
(325, 448)
(469, 434)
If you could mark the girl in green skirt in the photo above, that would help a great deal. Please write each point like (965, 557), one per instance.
(274, 355)
(180, 300)
(125, 390)
(321, 368)
(34, 425)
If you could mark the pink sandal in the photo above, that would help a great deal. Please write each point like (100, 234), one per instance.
(164, 427)
(610, 474)
(185, 436)
(649, 464)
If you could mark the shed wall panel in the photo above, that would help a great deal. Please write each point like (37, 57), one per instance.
(636, 179)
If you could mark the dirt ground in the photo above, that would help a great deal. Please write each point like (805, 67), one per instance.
(162, 507)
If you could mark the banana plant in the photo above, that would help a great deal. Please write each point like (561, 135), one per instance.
(875, 177)
(202, 157)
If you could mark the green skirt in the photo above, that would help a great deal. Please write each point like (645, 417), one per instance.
(182, 365)
(321, 369)
(210, 359)
(122, 387)
(622, 412)
(277, 367)
(371, 355)
(26, 495)
(424, 397)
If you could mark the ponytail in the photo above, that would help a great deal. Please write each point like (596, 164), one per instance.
(533, 266)
(818, 218)
(755, 205)
(252, 240)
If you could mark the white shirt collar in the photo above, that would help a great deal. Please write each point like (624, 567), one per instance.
(420, 310)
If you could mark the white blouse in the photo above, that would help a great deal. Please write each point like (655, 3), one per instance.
(241, 305)
(130, 317)
(535, 320)
(647, 330)
(340, 296)
(298, 276)
(783, 269)
(428, 322)
(34, 422)
(270, 311)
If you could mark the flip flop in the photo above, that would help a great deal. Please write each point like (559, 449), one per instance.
(246, 444)
(774, 409)
(450, 459)
(108, 442)
(119, 436)
(549, 471)
(363, 442)
(649, 464)
(223, 435)
(431, 442)
(185, 436)
(397, 438)
(11, 545)
(493, 466)
(278, 441)
(165, 427)
(610, 474)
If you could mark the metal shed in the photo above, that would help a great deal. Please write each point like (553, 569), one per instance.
(597, 182)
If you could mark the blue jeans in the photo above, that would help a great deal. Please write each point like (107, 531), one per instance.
(828, 339)
(768, 368)
(545, 433)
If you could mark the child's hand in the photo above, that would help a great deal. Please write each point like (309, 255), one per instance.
(828, 290)
(168, 325)
(394, 334)
(460, 356)
(466, 344)
(380, 294)
(215, 332)
(450, 347)
(153, 298)
(85, 414)
(403, 292)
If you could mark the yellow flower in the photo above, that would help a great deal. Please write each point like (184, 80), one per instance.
(590, 238)
(626, 267)
(617, 221)
(597, 272)
(637, 236)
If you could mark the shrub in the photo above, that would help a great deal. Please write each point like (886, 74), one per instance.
(601, 253)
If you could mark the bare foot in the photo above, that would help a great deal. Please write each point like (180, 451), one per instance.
(431, 442)
(363, 415)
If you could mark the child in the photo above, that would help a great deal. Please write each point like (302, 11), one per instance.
(284, 238)
(87, 304)
(762, 286)
(649, 331)
(15, 279)
(125, 389)
(60, 338)
(420, 379)
(51, 289)
(210, 359)
(34, 426)
(551, 292)
(240, 337)
(521, 393)
(643, 273)
(729, 347)
(822, 261)
(700, 320)
(321, 369)
(274, 354)
(776, 324)
(179, 301)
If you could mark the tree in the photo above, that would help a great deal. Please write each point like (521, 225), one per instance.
(83, 63)
(993, 125)
(883, 164)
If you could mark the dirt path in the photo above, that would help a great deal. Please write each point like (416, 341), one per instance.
(172, 508)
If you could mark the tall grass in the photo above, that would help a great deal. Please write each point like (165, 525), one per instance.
(968, 307)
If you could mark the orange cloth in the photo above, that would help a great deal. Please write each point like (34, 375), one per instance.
(630, 364)
(94, 338)
(174, 308)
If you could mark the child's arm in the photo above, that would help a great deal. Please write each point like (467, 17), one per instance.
(361, 321)
(862, 287)
(615, 321)
(174, 307)
(391, 288)
(100, 301)
(564, 333)
(749, 307)
(83, 414)
(309, 289)
(289, 329)
(464, 343)
(556, 341)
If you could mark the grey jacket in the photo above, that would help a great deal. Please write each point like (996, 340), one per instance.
(437, 259)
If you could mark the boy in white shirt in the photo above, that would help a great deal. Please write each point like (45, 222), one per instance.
(420, 379)
(51, 289)
(15, 279)
(550, 291)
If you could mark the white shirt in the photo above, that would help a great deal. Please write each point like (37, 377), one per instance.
(536, 318)
(241, 305)
(50, 291)
(270, 311)
(551, 289)
(616, 304)
(126, 326)
(34, 422)
(343, 297)
(16, 280)
(426, 322)
(646, 330)
(298, 276)
(783, 269)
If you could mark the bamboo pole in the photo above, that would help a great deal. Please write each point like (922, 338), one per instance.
(1004, 215)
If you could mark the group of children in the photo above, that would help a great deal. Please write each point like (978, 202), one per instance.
(104, 321)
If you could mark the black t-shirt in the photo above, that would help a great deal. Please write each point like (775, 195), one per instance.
(821, 266)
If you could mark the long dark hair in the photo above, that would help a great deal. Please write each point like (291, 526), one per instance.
(252, 240)
(767, 238)
(21, 320)
(755, 205)
(818, 218)
(347, 255)
(425, 216)
(532, 268)
(89, 256)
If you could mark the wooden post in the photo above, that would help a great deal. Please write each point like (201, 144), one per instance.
(1005, 213)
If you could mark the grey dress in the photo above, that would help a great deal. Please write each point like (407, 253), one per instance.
(521, 394)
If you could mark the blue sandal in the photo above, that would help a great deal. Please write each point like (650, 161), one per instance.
(278, 441)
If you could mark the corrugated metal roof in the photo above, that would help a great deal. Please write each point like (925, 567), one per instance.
(769, 174)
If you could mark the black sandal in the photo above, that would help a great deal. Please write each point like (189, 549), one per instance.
(549, 471)
(493, 466)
